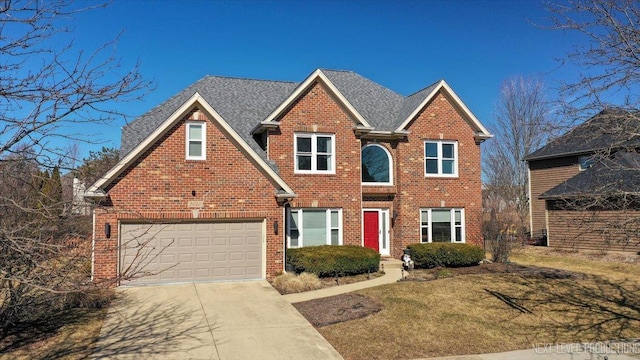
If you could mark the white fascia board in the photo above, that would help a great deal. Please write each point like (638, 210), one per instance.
(443, 85)
(196, 99)
(264, 125)
(386, 134)
(317, 74)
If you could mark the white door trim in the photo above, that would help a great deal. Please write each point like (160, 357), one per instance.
(384, 230)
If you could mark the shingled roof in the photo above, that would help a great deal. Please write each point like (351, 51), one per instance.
(373, 101)
(245, 103)
(241, 102)
(609, 176)
(609, 129)
(243, 106)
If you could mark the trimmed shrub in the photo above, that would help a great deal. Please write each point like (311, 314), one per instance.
(427, 256)
(328, 260)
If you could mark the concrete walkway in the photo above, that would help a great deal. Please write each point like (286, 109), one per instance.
(393, 273)
(219, 321)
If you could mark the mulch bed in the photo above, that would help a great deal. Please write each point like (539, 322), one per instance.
(491, 268)
(336, 309)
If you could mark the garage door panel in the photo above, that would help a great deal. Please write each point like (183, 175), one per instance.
(185, 242)
(186, 257)
(193, 251)
(203, 241)
(253, 226)
(202, 257)
(220, 241)
(219, 257)
(253, 270)
(237, 227)
(220, 226)
(168, 259)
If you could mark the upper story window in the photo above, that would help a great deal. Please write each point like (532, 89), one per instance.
(441, 158)
(315, 154)
(586, 162)
(376, 165)
(195, 144)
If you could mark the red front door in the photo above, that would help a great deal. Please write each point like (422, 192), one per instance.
(371, 230)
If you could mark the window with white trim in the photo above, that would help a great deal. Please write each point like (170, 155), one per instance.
(314, 227)
(442, 225)
(195, 144)
(376, 165)
(315, 153)
(440, 158)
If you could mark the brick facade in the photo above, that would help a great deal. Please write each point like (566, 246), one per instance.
(317, 112)
(159, 186)
(162, 186)
(439, 120)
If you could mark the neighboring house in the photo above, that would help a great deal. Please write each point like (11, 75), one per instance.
(227, 174)
(79, 206)
(73, 190)
(585, 184)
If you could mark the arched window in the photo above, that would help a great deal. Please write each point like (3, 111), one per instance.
(376, 165)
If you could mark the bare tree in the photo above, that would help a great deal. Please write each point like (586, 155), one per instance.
(97, 164)
(47, 87)
(521, 126)
(609, 58)
(600, 204)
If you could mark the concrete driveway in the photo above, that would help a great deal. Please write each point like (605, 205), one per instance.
(240, 320)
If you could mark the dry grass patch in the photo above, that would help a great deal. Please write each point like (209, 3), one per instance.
(492, 313)
(290, 283)
(72, 336)
(613, 265)
(495, 312)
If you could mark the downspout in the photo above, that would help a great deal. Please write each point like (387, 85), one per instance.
(93, 243)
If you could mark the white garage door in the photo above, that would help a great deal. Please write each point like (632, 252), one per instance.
(191, 252)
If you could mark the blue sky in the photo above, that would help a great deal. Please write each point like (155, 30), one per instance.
(403, 45)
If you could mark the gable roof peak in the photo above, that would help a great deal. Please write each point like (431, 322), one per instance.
(425, 88)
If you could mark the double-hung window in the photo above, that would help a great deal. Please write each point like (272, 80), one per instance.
(315, 153)
(440, 158)
(314, 227)
(195, 144)
(442, 225)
